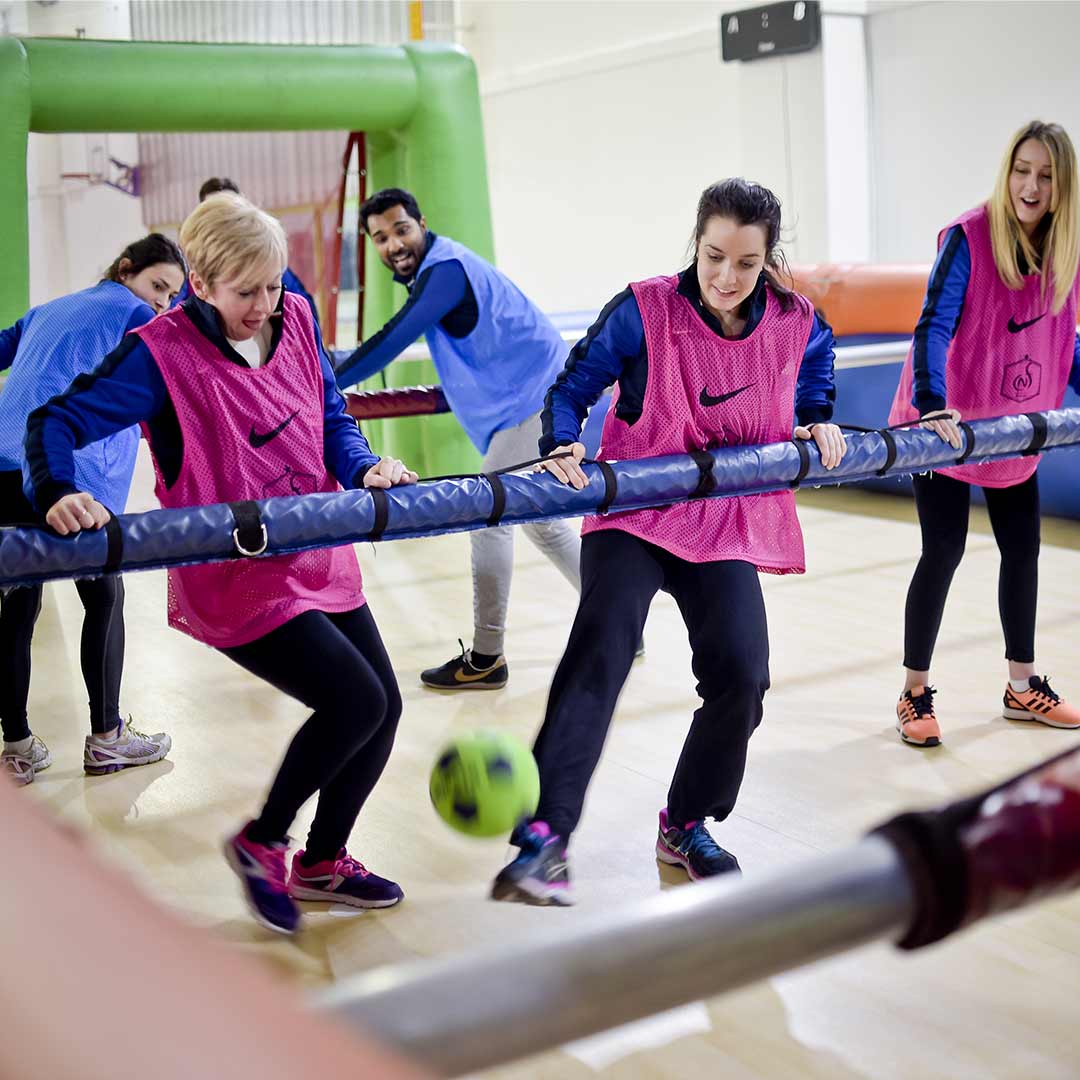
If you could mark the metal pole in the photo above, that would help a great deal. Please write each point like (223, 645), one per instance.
(462, 1014)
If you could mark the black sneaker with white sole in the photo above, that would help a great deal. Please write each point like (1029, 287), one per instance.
(461, 674)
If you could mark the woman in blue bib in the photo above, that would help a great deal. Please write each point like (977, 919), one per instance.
(46, 350)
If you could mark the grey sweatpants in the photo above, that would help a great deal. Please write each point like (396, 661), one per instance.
(493, 549)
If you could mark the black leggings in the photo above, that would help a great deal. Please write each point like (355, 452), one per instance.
(943, 505)
(337, 665)
(102, 647)
(723, 609)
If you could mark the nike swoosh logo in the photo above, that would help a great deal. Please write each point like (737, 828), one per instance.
(1015, 327)
(258, 440)
(460, 676)
(707, 399)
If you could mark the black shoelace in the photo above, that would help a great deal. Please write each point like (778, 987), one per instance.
(923, 703)
(1043, 687)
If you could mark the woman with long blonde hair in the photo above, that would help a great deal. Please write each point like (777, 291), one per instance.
(997, 336)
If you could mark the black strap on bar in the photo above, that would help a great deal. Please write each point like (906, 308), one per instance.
(890, 450)
(382, 512)
(804, 463)
(611, 486)
(895, 427)
(505, 469)
(498, 498)
(706, 481)
(1038, 437)
(965, 427)
(114, 536)
(249, 536)
(969, 441)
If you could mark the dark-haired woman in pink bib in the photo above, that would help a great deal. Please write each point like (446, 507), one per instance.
(722, 354)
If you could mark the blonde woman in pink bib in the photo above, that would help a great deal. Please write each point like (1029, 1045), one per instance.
(237, 401)
(997, 336)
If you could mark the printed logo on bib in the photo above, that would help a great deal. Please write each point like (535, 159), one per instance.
(258, 440)
(1022, 379)
(290, 482)
(1015, 327)
(708, 399)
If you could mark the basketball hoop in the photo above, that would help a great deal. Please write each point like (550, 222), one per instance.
(121, 176)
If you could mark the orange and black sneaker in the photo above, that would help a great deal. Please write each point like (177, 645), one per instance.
(462, 674)
(915, 719)
(1039, 702)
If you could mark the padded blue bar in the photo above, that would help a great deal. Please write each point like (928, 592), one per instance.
(161, 538)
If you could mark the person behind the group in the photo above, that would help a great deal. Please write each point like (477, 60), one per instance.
(495, 354)
(45, 350)
(722, 354)
(238, 402)
(289, 280)
(997, 336)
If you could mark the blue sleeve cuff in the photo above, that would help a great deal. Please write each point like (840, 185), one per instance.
(550, 442)
(48, 494)
(929, 402)
(813, 414)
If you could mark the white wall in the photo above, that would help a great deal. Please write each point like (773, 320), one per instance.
(848, 176)
(950, 82)
(604, 121)
(75, 230)
(605, 118)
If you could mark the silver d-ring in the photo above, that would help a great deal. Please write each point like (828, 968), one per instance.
(240, 547)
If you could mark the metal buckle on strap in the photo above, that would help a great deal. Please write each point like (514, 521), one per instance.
(241, 550)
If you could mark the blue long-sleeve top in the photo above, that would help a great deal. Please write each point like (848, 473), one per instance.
(128, 388)
(942, 308)
(615, 350)
(439, 294)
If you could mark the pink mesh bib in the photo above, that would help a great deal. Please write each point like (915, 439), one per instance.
(704, 391)
(1010, 354)
(248, 434)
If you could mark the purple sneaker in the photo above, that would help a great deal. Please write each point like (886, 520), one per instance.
(261, 869)
(342, 880)
(129, 748)
(692, 848)
(540, 873)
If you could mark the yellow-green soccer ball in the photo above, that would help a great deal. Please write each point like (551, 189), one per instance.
(484, 783)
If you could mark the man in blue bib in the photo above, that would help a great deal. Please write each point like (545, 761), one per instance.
(496, 354)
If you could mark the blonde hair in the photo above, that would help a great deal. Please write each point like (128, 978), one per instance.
(226, 238)
(1059, 258)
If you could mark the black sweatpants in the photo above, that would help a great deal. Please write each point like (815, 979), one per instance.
(724, 612)
(943, 505)
(101, 649)
(335, 664)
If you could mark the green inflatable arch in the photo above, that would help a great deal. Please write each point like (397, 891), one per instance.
(418, 104)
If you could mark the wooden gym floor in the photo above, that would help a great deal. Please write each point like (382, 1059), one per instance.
(999, 1001)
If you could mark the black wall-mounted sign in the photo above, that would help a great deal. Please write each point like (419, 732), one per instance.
(772, 30)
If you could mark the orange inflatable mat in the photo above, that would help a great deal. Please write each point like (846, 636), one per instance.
(864, 298)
